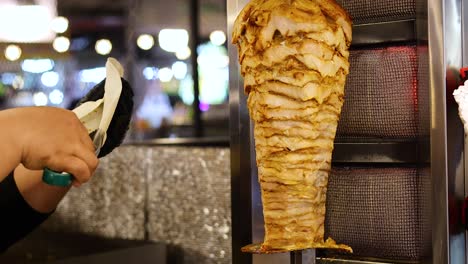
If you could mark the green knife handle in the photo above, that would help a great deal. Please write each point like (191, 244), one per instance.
(61, 179)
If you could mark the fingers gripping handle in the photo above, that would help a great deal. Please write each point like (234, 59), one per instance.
(61, 179)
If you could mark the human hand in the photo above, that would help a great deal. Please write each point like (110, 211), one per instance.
(54, 138)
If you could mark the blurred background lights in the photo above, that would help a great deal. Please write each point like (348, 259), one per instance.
(179, 69)
(204, 107)
(26, 23)
(37, 65)
(50, 79)
(212, 56)
(173, 40)
(12, 52)
(150, 73)
(61, 44)
(183, 53)
(8, 78)
(94, 75)
(40, 99)
(186, 90)
(145, 42)
(165, 74)
(103, 46)
(79, 44)
(59, 24)
(214, 73)
(218, 37)
(18, 82)
(56, 97)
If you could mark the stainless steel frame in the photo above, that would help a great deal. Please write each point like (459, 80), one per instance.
(447, 166)
(464, 20)
(241, 170)
(438, 32)
(381, 152)
(378, 33)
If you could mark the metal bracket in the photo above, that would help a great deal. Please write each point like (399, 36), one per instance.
(303, 257)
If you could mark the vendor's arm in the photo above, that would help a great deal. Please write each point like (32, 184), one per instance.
(32, 139)
(46, 137)
(18, 218)
(40, 196)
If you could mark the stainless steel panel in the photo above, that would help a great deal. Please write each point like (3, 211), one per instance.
(444, 31)
(455, 133)
(384, 32)
(241, 178)
(464, 21)
(380, 152)
(440, 242)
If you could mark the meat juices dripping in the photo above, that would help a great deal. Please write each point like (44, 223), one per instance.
(294, 60)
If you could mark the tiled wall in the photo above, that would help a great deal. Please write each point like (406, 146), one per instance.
(177, 195)
(189, 202)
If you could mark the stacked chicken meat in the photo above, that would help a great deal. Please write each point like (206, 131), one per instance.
(294, 60)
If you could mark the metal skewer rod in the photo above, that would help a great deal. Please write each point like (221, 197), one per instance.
(303, 257)
(296, 257)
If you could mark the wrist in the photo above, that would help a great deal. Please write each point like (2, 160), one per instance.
(41, 197)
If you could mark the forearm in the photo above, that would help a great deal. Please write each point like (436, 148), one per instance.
(40, 196)
(18, 218)
(9, 143)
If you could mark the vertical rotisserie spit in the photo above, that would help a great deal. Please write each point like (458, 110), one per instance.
(294, 60)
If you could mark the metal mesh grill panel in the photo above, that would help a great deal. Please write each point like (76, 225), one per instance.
(369, 11)
(380, 212)
(381, 94)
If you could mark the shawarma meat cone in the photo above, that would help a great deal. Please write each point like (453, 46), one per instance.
(294, 60)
